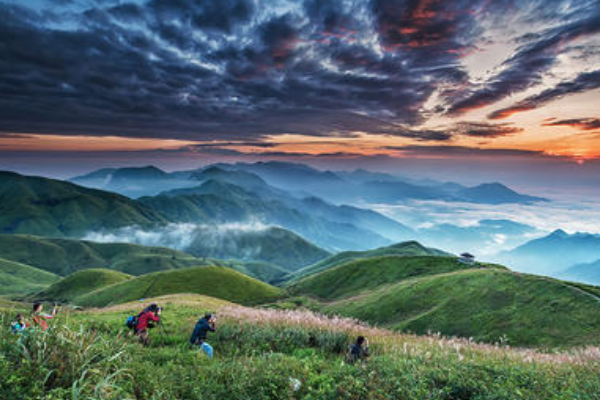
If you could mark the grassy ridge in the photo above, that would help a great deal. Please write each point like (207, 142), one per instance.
(17, 278)
(263, 271)
(220, 282)
(410, 248)
(80, 283)
(484, 304)
(260, 354)
(50, 207)
(65, 256)
(439, 294)
(364, 275)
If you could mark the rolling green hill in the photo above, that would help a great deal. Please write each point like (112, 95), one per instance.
(65, 256)
(220, 282)
(49, 207)
(363, 275)
(263, 271)
(17, 278)
(439, 294)
(80, 283)
(410, 248)
(485, 304)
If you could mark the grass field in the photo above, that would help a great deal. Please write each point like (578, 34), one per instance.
(269, 354)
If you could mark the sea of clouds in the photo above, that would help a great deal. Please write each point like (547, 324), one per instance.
(178, 236)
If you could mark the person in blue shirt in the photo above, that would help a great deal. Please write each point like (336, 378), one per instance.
(19, 326)
(203, 326)
(359, 351)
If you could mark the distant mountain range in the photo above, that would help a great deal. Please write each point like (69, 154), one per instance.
(553, 254)
(55, 208)
(303, 181)
(272, 245)
(133, 181)
(487, 235)
(587, 273)
(271, 194)
(219, 199)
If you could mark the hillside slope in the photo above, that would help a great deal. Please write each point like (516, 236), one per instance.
(485, 304)
(65, 256)
(17, 278)
(81, 282)
(49, 207)
(410, 248)
(363, 275)
(218, 202)
(272, 245)
(220, 282)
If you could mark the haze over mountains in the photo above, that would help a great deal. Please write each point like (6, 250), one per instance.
(230, 211)
(348, 187)
(559, 254)
(235, 231)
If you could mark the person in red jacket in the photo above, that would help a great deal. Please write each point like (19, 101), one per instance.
(38, 317)
(146, 320)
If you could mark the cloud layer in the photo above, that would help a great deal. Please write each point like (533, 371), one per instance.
(245, 69)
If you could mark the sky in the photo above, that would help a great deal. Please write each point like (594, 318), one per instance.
(462, 90)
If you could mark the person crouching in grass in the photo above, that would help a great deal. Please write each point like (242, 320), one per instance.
(19, 325)
(146, 320)
(359, 351)
(203, 326)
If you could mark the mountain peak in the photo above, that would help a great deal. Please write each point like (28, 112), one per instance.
(559, 233)
(145, 172)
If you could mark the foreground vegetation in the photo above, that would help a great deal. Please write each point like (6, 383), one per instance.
(270, 354)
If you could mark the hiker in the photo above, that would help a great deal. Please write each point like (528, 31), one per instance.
(203, 326)
(38, 317)
(359, 351)
(145, 321)
(19, 325)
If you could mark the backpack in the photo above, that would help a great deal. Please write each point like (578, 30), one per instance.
(132, 321)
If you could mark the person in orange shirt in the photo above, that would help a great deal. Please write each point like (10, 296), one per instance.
(38, 317)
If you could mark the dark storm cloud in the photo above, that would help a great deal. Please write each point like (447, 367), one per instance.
(464, 151)
(425, 27)
(485, 130)
(586, 124)
(531, 60)
(582, 83)
(245, 69)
